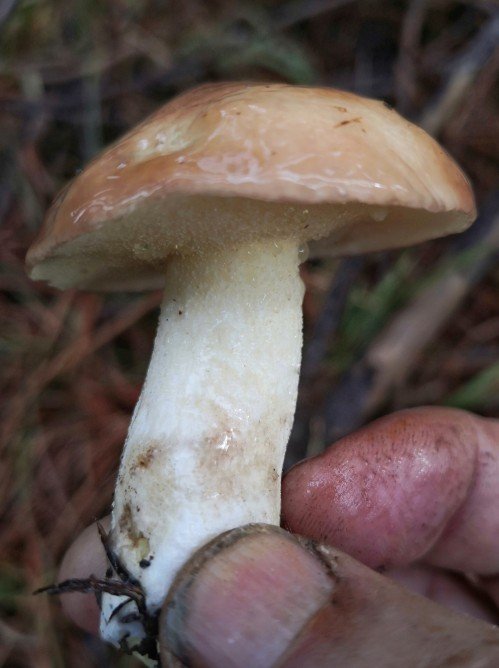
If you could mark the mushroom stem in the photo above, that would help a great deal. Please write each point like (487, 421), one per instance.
(207, 440)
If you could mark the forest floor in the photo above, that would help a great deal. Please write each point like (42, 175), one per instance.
(382, 332)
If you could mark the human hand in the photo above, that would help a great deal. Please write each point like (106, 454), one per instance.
(414, 494)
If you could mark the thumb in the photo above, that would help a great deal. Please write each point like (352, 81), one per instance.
(258, 596)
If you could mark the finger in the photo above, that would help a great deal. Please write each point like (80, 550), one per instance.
(85, 557)
(449, 589)
(418, 483)
(491, 587)
(258, 596)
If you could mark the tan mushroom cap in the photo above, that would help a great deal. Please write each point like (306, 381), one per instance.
(227, 163)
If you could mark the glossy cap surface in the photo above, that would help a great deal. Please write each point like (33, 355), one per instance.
(228, 163)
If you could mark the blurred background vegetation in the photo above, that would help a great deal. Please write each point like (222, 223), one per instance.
(382, 332)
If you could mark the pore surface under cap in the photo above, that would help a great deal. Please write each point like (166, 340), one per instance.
(224, 164)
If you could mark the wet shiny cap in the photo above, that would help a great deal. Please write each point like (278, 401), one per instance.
(229, 163)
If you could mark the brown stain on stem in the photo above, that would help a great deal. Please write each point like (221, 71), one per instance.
(127, 527)
(144, 459)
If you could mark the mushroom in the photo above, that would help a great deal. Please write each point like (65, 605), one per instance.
(216, 196)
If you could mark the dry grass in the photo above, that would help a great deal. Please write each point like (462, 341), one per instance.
(73, 76)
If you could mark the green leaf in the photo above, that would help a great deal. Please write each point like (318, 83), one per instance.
(478, 391)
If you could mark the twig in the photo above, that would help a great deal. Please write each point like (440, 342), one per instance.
(6, 9)
(405, 67)
(329, 319)
(298, 10)
(316, 350)
(463, 71)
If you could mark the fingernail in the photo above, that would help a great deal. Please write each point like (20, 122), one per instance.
(242, 600)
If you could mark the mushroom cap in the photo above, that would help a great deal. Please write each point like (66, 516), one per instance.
(229, 163)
